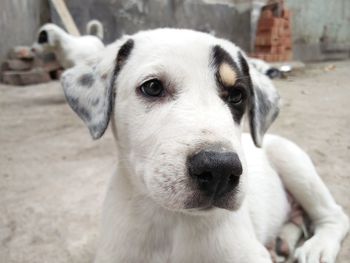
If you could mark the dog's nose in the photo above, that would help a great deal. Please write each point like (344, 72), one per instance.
(216, 173)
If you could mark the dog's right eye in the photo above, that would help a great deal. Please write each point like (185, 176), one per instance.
(152, 88)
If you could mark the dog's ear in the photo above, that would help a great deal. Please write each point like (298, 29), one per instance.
(90, 88)
(43, 37)
(263, 102)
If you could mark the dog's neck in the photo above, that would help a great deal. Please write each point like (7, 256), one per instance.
(154, 232)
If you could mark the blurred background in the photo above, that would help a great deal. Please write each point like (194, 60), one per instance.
(320, 28)
(53, 176)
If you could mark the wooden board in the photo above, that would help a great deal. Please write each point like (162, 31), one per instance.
(66, 17)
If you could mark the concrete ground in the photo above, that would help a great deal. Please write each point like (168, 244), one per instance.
(53, 176)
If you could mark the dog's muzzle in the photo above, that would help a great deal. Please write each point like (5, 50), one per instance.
(215, 173)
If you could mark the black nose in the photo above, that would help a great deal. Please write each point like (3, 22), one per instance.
(216, 173)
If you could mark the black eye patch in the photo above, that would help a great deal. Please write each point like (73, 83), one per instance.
(43, 37)
(233, 81)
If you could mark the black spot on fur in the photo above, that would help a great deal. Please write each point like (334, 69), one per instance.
(85, 114)
(87, 80)
(82, 112)
(73, 102)
(243, 82)
(262, 112)
(95, 102)
(122, 56)
(43, 37)
(263, 108)
(124, 53)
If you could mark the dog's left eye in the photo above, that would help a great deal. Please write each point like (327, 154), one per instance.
(235, 96)
(152, 88)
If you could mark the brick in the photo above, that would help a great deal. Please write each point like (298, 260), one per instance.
(273, 31)
(289, 55)
(286, 14)
(287, 42)
(281, 49)
(11, 78)
(21, 52)
(266, 14)
(4, 67)
(268, 57)
(34, 76)
(267, 23)
(18, 64)
(266, 49)
(266, 40)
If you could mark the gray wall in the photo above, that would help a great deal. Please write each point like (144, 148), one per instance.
(19, 21)
(321, 28)
(224, 18)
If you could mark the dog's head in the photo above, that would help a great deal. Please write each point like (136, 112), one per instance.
(47, 38)
(177, 99)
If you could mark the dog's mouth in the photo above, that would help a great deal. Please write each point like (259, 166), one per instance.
(200, 202)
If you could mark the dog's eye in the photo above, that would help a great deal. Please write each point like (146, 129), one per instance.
(152, 88)
(235, 96)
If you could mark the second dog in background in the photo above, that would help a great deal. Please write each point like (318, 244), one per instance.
(68, 49)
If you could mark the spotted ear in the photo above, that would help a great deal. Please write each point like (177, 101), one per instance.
(90, 88)
(264, 102)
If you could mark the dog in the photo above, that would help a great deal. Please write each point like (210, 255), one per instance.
(69, 50)
(190, 186)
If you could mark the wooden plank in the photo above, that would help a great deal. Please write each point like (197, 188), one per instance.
(66, 17)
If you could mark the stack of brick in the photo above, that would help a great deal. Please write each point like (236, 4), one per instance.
(23, 67)
(273, 39)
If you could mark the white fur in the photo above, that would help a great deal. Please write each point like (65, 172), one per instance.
(69, 50)
(144, 216)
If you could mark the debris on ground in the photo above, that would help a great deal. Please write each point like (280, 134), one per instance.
(23, 67)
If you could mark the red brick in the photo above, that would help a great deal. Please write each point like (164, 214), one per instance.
(266, 14)
(286, 14)
(267, 23)
(266, 40)
(266, 49)
(281, 49)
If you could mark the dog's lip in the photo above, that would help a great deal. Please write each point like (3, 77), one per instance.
(207, 207)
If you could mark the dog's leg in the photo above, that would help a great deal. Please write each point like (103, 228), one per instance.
(302, 181)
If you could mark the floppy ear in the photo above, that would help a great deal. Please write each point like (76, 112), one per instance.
(90, 88)
(263, 103)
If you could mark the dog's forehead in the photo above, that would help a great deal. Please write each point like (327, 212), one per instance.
(179, 46)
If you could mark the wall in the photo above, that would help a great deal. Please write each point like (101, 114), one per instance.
(321, 28)
(224, 18)
(19, 21)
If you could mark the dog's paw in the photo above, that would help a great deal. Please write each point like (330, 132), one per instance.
(317, 250)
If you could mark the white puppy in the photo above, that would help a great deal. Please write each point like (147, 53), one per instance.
(69, 50)
(189, 186)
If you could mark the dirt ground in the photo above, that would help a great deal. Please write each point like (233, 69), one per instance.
(53, 176)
